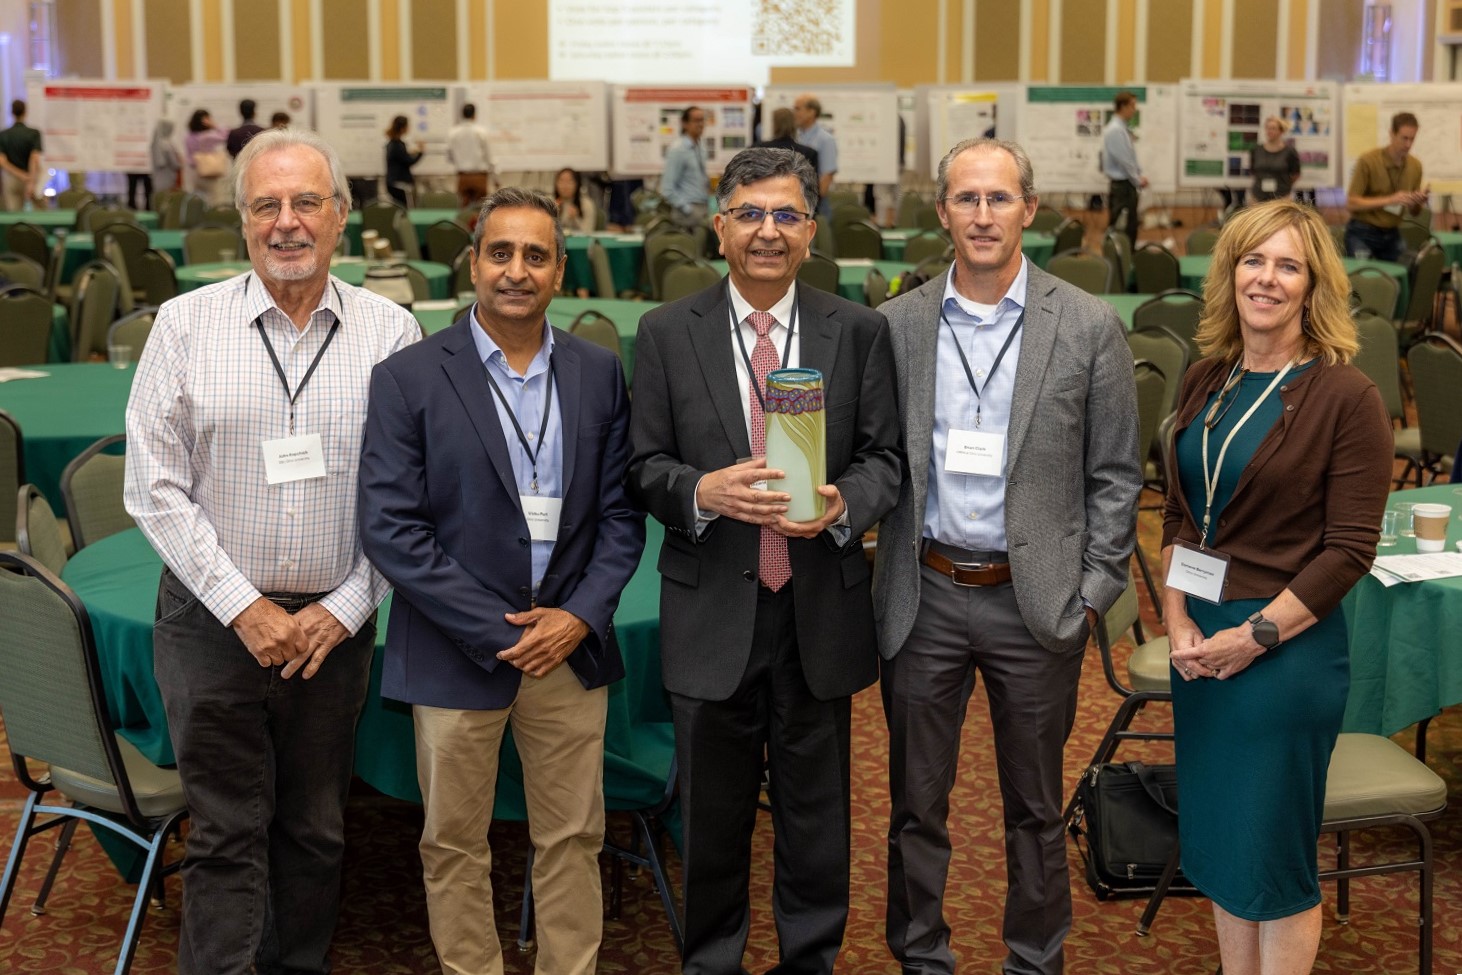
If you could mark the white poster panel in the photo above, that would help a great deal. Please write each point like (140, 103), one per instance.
(952, 114)
(222, 102)
(99, 126)
(646, 122)
(544, 126)
(1061, 126)
(354, 117)
(1438, 111)
(1222, 121)
(863, 119)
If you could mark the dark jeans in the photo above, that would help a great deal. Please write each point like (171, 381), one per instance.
(1383, 243)
(258, 888)
(1122, 195)
(141, 181)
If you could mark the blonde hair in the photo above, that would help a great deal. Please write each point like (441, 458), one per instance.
(1283, 125)
(1329, 330)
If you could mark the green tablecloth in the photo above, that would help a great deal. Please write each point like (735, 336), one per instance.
(63, 414)
(1451, 241)
(351, 270)
(60, 348)
(1035, 244)
(117, 577)
(1125, 305)
(851, 274)
(1192, 268)
(65, 219)
(1404, 659)
(626, 252)
(81, 247)
(420, 219)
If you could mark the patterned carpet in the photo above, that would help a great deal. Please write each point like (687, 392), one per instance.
(383, 929)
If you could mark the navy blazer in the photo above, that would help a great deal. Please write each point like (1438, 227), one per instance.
(440, 518)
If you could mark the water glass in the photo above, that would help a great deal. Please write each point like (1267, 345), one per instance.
(227, 255)
(1388, 528)
(1403, 511)
(120, 356)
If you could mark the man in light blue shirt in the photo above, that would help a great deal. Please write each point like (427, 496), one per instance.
(807, 110)
(1119, 162)
(684, 184)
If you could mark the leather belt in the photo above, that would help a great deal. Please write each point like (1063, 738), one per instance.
(967, 573)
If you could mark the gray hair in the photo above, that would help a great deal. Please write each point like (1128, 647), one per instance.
(1022, 163)
(516, 196)
(757, 164)
(274, 140)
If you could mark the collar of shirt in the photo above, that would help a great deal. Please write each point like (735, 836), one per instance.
(1014, 295)
(489, 352)
(258, 302)
(781, 311)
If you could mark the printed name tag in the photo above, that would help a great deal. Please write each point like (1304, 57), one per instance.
(1395, 208)
(1269, 184)
(542, 514)
(294, 459)
(1198, 573)
(973, 452)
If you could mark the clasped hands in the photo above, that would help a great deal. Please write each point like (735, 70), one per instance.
(1220, 656)
(730, 492)
(297, 641)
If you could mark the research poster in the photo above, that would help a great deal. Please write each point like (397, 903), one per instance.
(1222, 121)
(1061, 127)
(98, 126)
(544, 126)
(646, 122)
(353, 118)
(222, 103)
(949, 115)
(1438, 111)
(864, 120)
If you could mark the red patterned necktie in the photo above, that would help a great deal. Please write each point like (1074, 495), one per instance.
(773, 566)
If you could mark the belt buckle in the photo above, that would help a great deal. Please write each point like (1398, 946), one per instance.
(956, 567)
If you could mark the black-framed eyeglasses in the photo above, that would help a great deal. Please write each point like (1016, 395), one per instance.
(970, 202)
(304, 205)
(1220, 409)
(751, 216)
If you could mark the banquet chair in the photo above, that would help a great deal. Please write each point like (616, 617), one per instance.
(437, 200)
(157, 276)
(1155, 269)
(99, 218)
(1414, 234)
(1046, 220)
(25, 326)
(223, 215)
(37, 532)
(909, 206)
(1178, 311)
(1379, 358)
(406, 234)
(207, 244)
(462, 273)
(687, 278)
(94, 298)
(19, 269)
(132, 330)
(922, 246)
(1436, 377)
(28, 240)
(161, 199)
(131, 242)
(1372, 782)
(1424, 275)
(445, 239)
(875, 288)
(111, 252)
(1374, 290)
(1117, 249)
(1070, 235)
(74, 198)
(655, 249)
(603, 274)
(1201, 241)
(596, 327)
(819, 271)
(12, 474)
(1092, 273)
(859, 238)
(380, 215)
(1152, 392)
(55, 710)
(1170, 354)
(926, 217)
(91, 488)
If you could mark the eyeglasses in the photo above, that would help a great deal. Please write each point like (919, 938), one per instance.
(970, 202)
(1220, 409)
(305, 205)
(751, 216)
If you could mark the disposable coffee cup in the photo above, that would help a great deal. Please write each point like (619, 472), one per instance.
(1430, 521)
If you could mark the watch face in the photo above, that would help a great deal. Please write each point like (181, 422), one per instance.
(1266, 633)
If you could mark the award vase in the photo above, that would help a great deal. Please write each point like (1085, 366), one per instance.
(797, 439)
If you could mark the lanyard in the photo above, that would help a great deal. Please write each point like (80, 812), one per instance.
(1210, 480)
(279, 370)
(786, 348)
(533, 455)
(998, 359)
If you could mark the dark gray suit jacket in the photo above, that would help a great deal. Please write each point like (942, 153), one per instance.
(1071, 467)
(687, 421)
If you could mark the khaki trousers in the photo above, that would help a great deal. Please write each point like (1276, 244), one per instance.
(559, 730)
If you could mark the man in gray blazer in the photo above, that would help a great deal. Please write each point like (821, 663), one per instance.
(1010, 536)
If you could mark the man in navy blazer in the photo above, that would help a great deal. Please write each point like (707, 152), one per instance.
(492, 498)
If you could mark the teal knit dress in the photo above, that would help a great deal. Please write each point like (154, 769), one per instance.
(1253, 750)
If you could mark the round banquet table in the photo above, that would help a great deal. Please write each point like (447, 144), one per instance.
(1193, 268)
(1035, 244)
(64, 219)
(1403, 638)
(626, 252)
(351, 270)
(116, 578)
(63, 414)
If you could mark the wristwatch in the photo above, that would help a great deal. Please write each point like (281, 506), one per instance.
(1266, 632)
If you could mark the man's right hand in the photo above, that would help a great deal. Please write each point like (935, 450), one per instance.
(729, 492)
(269, 633)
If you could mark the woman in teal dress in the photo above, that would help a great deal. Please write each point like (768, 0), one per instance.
(1282, 460)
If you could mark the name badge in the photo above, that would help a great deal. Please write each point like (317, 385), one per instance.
(973, 452)
(1396, 208)
(294, 459)
(1198, 573)
(542, 514)
(1269, 184)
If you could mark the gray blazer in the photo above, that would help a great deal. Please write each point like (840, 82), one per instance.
(1072, 469)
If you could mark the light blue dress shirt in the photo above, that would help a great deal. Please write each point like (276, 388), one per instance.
(684, 182)
(968, 510)
(525, 394)
(1119, 155)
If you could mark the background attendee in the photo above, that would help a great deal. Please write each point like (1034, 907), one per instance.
(577, 213)
(1281, 467)
(784, 136)
(1274, 163)
(806, 111)
(684, 183)
(467, 151)
(399, 160)
(207, 157)
(1119, 163)
(239, 137)
(279, 120)
(167, 164)
(247, 411)
(1385, 189)
(20, 159)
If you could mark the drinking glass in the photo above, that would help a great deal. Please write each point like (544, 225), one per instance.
(1388, 528)
(1403, 511)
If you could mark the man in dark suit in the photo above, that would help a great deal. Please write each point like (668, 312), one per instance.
(766, 624)
(492, 498)
(1012, 533)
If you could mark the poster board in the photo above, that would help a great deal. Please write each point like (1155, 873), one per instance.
(645, 121)
(863, 119)
(353, 118)
(222, 102)
(949, 114)
(544, 126)
(1223, 120)
(98, 126)
(1061, 126)
(1438, 111)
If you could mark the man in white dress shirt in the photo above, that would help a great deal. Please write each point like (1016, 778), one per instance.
(244, 429)
(467, 152)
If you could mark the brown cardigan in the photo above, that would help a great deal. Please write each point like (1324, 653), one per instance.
(1306, 512)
